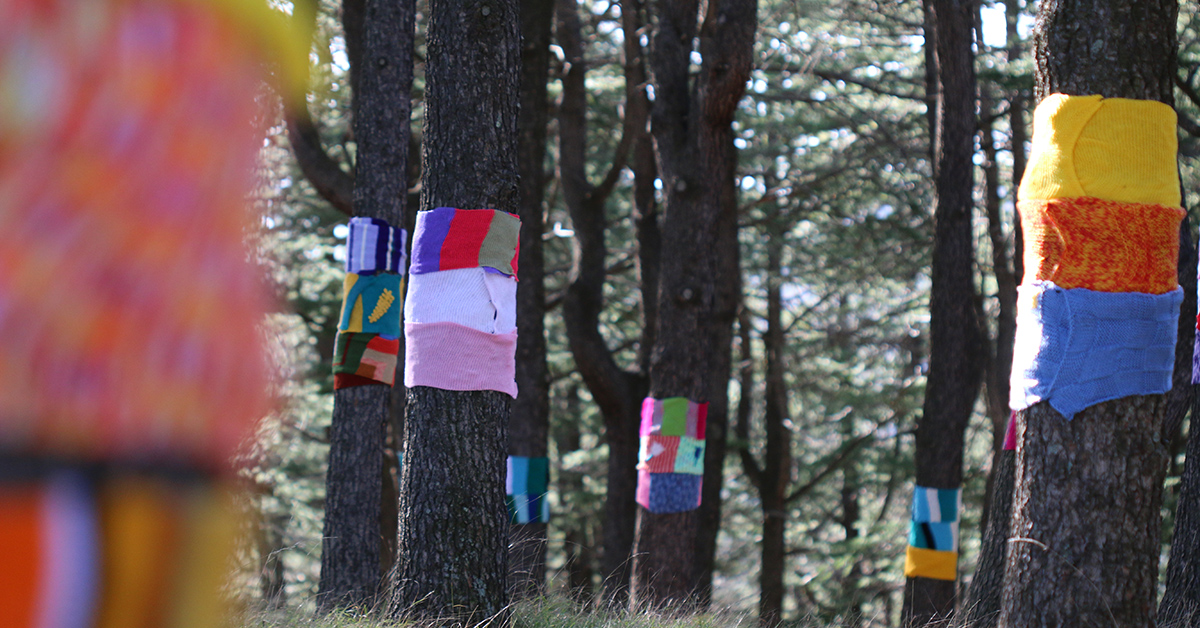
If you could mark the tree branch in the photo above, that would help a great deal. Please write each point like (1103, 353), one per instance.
(326, 175)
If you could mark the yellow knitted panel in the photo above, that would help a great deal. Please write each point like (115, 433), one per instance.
(1116, 149)
(927, 563)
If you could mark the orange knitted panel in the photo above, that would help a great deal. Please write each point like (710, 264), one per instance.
(1101, 245)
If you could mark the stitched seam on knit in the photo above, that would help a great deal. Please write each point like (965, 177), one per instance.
(1075, 146)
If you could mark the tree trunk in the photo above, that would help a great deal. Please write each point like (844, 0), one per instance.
(1180, 605)
(955, 352)
(1089, 490)
(728, 300)
(776, 476)
(577, 542)
(351, 548)
(982, 607)
(1085, 553)
(618, 393)
(1181, 602)
(530, 423)
(694, 148)
(453, 542)
(851, 512)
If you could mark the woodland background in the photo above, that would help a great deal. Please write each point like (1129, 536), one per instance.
(834, 204)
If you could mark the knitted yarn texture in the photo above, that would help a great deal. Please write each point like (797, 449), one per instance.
(1097, 310)
(933, 536)
(448, 238)
(120, 550)
(128, 311)
(1116, 149)
(374, 246)
(460, 323)
(454, 357)
(371, 303)
(1076, 348)
(368, 356)
(1101, 245)
(671, 454)
(472, 297)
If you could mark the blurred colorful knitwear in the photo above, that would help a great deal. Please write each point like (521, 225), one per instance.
(128, 312)
(671, 456)
(113, 551)
(1100, 212)
(130, 357)
(526, 488)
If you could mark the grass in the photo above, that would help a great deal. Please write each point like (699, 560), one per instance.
(551, 612)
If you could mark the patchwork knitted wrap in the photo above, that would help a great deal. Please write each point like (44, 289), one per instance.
(671, 455)
(460, 324)
(368, 339)
(933, 536)
(1099, 303)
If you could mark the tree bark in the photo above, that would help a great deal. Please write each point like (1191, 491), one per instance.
(982, 606)
(1180, 605)
(694, 148)
(351, 552)
(776, 475)
(350, 546)
(1088, 491)
(453, 541)
(530, 424)
(956, 343)
(1181, 602)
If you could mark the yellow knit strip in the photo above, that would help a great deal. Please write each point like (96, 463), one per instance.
(926, 563)
(1115, 149)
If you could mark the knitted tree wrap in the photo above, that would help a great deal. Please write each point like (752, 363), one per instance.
(1097, 310)
(374, 246)
(933, 536)
(671, 455)
(364, 355)
(526, 488)
(448, 238)
(460, 323)
(126, 550)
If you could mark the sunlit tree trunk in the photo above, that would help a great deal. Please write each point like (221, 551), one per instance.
(1088, 491)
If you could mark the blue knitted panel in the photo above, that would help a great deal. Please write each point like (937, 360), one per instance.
(1076, 348)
